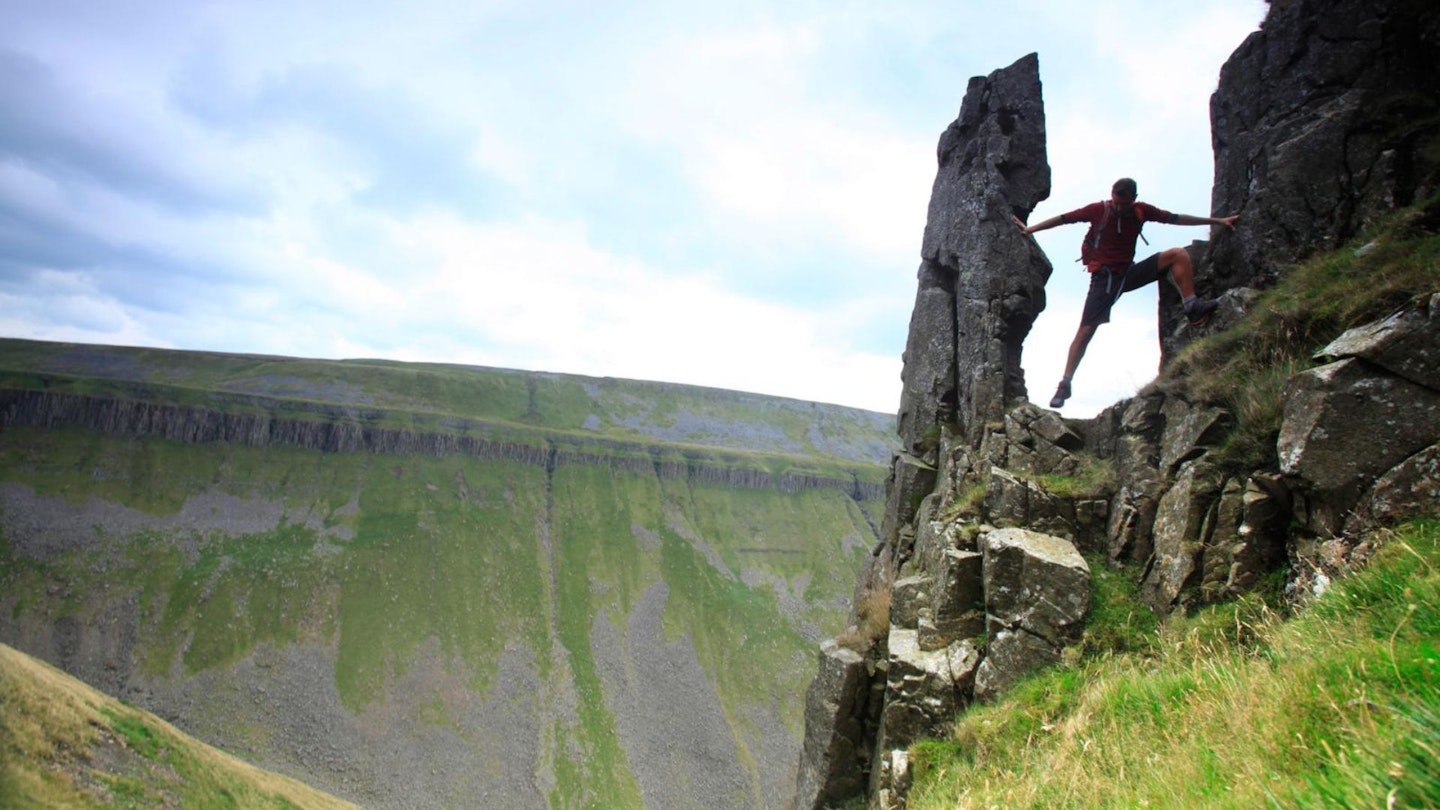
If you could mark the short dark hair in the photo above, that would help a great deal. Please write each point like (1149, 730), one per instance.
(1125, 187)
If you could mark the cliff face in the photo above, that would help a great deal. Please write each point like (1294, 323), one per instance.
(1324, 121)
(349, 430)
(1319, 126)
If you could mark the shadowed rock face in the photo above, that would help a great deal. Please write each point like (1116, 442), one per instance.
(1309, 126)
(981, 285)
(981, 282)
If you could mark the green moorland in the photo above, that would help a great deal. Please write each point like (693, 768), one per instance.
(63, 744)
(1254, 703)
(488, 617)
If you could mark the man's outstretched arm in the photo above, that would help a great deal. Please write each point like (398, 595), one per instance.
(1186, 219)
(1042, 225)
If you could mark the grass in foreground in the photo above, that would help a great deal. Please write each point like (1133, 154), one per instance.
(1236, 706)
(63, 744)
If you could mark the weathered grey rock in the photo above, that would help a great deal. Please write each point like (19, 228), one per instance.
(927, 395)
(833, 755)
(1135, 453)
(1008, 498)
(1344, 424)
(1010, 655)
(1406, 344)
(1189, 431)
(1259, 545)
(924, 689)
(1180, 533)
(1034, 442)
(907, 597)
(1306, 128)
(992, 166)
(1411, 489)
(911, 479)
(1036, 582)
(958, 609)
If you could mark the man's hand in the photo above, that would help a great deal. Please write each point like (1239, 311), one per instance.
(1023, 228)
(1228, 222)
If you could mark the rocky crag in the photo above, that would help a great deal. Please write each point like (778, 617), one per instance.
(993, 504)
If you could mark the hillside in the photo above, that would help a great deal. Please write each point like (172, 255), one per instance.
(419, 586)
(67, 745)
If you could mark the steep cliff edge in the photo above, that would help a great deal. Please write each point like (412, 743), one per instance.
(1261, 450)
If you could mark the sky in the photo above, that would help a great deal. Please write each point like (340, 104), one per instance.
(722, 194)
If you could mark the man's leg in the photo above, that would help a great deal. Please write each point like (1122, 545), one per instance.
(1176, 261)
(1072, 362)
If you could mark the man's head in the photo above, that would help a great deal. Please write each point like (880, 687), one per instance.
(1123, 193)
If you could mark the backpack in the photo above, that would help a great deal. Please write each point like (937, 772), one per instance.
(1089, 246)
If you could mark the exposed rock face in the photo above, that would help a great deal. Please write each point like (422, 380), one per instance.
(341, 429)
(832, 759)
(1310, 128)
(1353, 426)
(962, 360)
(1037, 596)
(964, 423)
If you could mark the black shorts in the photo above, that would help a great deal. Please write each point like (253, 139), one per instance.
(1107, 283)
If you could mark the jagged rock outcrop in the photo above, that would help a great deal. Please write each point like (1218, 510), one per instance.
(1313, 129)
(962, 359)
(971, 607)
(1367, 422)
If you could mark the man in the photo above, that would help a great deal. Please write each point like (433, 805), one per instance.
(1109, 255)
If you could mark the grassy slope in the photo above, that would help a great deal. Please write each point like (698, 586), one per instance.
(1239, 705)
(62, 744)
(1234, 707)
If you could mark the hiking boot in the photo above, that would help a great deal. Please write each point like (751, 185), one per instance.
(1062, 393)
(1200, 310)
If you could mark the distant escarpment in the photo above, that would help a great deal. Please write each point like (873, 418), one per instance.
(419, 585)
(1306, 413)
(262, 422)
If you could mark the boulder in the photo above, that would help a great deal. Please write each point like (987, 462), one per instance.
(1346, 423)
(1035, 582)
(1410, 489)
(1010, 655)
(1406, 344)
